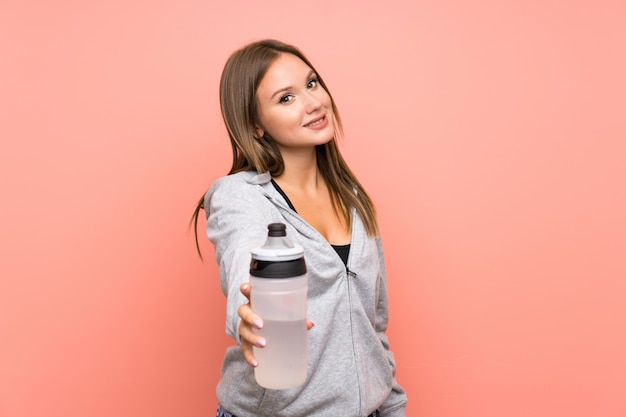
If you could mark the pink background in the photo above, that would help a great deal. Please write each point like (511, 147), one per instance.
(491, 134)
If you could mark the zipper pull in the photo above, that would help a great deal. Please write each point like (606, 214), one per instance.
(350, 273)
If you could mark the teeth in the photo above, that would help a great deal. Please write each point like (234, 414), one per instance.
(316, 122)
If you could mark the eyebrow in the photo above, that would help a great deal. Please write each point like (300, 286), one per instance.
(290, 87)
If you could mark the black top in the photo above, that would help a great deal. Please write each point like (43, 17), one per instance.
(342, 250)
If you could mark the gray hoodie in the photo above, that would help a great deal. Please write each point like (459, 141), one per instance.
(351, 371)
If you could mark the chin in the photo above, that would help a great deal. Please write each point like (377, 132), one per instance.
(327, 140)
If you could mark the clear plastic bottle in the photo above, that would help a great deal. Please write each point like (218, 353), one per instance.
(278, 295)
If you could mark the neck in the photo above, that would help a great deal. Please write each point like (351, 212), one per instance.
(301, 171)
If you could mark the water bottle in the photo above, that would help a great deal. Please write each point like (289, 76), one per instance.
(278, 295)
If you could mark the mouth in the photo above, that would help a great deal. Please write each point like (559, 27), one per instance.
(316, 122)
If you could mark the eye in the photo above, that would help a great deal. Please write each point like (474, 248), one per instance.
(286, 98)
(312, 83)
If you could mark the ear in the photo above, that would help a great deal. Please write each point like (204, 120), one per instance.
(258, 132)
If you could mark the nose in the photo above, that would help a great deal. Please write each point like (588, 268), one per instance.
(313, 102)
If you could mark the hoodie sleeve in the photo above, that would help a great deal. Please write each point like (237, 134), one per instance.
(236, 224)
(395, 404)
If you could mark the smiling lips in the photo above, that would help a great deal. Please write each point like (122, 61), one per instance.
(317, 123)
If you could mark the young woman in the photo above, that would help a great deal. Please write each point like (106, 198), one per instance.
(283, 126)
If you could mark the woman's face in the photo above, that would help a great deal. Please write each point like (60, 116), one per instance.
(294, 109)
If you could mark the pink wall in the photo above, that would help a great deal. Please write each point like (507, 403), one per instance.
(491, 134)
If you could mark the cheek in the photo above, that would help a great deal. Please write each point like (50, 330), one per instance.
(284, 117)
(279, 123)
(326, 98)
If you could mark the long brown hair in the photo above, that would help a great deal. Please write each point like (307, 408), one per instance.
(240, 80)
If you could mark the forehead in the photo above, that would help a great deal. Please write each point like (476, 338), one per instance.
(285, 71)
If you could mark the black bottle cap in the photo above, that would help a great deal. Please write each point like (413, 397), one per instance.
(277, 229)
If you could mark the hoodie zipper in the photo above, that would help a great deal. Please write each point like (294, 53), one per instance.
(349, 276)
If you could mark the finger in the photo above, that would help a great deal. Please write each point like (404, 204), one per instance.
(245, 290)
(247, 334)
(248, 355)
(249, 339)
(248, 316)
(309, 324)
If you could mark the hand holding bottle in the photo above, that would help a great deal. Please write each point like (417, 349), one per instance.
(250, 322)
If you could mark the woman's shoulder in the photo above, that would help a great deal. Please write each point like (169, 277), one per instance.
(242, 179)
(237, 183)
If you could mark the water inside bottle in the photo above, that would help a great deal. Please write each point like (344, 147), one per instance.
(283, 362)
